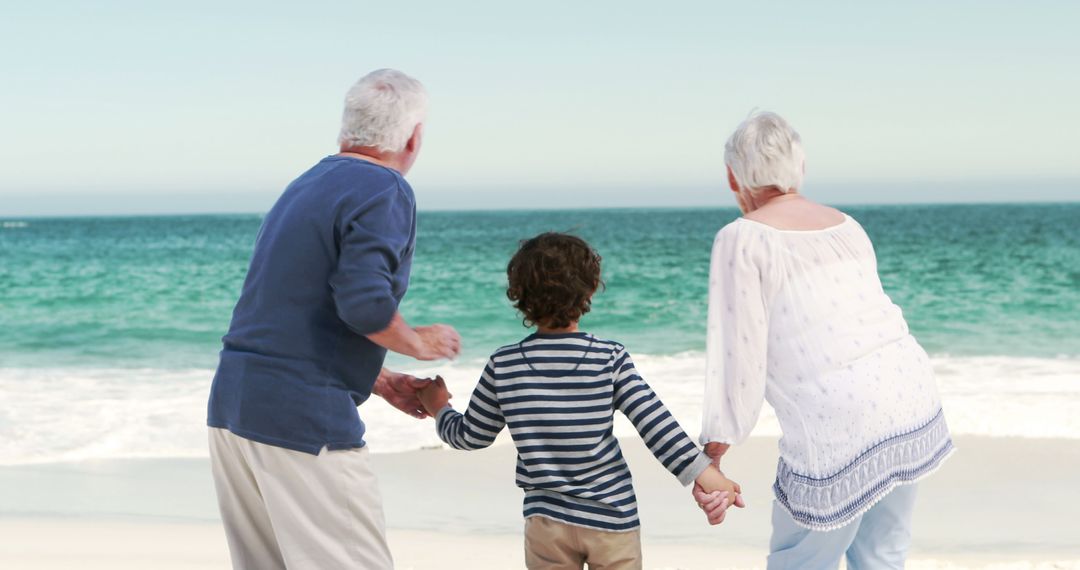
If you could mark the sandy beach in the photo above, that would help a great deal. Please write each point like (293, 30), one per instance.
(448, 509)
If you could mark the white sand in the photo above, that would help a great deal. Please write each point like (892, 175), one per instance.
(57, 544)
(450, 509)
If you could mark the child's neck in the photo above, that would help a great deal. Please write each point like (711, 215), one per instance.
(548, 330)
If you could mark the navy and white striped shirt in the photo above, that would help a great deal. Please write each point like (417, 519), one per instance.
(557, 394)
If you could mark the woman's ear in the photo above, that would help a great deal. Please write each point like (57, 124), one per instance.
(731, 181)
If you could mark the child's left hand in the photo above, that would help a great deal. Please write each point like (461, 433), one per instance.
(714, 493)
(435, 396)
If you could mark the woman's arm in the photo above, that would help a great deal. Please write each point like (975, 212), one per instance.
(735, 355)
(715, 451)
(737, 340)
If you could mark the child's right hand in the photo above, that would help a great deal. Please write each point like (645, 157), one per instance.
(434, 396)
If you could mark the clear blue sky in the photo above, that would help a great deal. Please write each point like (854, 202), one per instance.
(202, 106)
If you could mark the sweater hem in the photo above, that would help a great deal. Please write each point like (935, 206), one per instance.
(284, 443)
(694, 470)
(636, 527)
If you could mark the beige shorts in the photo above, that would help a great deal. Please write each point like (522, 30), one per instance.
(284, 508)
(553, 545)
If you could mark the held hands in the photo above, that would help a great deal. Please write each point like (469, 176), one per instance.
(714, 493)
(402, 391)
(437, 341)
(716, 502)
(435, 396)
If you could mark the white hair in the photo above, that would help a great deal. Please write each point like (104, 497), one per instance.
(382, 110)
(765, 152)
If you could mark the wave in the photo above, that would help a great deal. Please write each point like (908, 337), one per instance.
(72, 414)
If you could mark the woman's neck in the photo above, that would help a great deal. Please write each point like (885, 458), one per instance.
(768, 197)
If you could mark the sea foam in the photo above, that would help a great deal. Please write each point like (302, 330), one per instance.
(68, 414)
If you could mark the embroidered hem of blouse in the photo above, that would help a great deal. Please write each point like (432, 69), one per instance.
(831, 502)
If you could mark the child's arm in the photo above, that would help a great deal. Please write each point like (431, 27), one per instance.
(658, 428)
(478, 426)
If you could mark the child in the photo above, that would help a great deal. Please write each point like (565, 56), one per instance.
(557, 391)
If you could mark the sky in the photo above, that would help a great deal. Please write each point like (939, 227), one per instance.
(155, 107)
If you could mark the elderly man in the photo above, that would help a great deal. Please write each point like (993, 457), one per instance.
(317, 313)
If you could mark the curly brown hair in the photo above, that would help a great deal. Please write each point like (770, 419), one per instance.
(552, 279)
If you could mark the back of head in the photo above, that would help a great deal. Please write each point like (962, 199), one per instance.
(382, 110)
(552, 278)
(765, 152)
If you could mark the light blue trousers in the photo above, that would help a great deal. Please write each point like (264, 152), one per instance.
(878, 539)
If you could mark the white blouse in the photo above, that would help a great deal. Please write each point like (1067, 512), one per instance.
(800, 319)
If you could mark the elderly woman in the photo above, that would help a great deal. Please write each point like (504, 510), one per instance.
(798, 317)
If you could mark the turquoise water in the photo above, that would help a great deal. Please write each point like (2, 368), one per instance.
(110, 327)
(157, 291)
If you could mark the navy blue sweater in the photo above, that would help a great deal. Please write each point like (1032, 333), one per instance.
(331, 264)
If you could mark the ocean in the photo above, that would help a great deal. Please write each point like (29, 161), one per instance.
(110, 327)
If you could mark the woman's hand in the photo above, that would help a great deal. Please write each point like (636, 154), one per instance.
(715, 451)
(715, 504)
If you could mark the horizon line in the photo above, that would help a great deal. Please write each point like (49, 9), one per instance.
(442, 210)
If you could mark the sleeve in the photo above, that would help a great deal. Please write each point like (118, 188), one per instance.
(658, 428)
(737, 340)
(374, 237)
(481, 423)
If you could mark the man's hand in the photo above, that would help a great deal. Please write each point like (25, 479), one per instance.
(437, 341)
(422, 343)
(435, 396)
(400, 391)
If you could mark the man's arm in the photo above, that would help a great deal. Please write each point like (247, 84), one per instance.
(375, 234)
(422, 343)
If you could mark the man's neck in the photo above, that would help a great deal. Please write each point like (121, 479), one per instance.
(371, 155)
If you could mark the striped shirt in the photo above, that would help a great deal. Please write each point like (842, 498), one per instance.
(557, 394)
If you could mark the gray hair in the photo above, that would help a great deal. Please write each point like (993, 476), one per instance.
(763, 152)
(382, 110)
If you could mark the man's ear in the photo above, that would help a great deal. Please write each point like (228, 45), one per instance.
(731, 181)
(413, 144)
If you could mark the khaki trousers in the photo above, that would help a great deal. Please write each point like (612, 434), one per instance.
(552, 545)
(287, 509)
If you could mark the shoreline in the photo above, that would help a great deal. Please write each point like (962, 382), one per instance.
(464, 509)
(67, 414)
